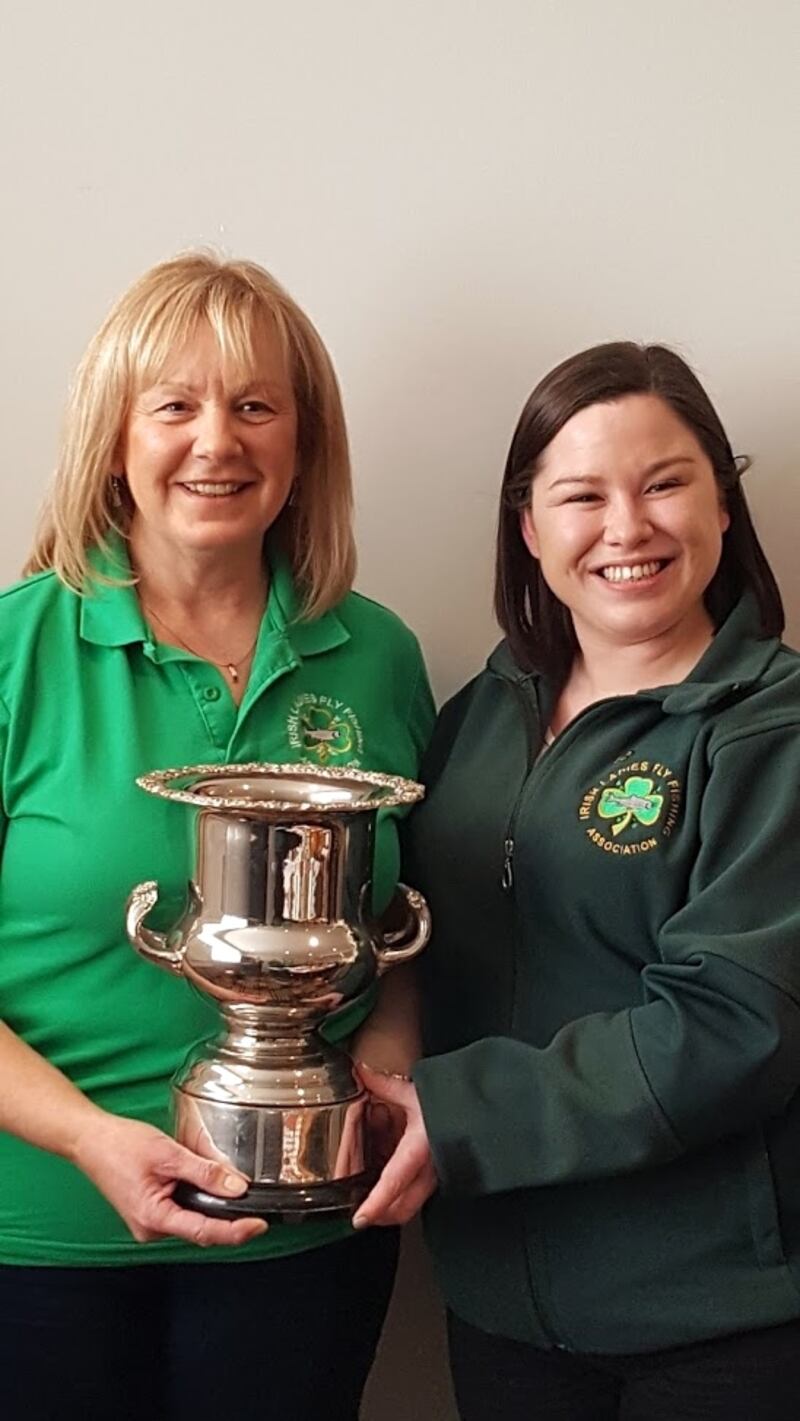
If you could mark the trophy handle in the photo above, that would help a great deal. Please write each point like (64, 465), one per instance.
(149, 944)
(399, 946)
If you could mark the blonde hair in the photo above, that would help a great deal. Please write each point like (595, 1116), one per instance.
(238, 299)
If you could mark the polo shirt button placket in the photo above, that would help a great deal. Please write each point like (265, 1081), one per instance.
(218, 712)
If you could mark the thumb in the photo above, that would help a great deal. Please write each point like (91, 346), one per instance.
(209, 1174)
(196, 1138)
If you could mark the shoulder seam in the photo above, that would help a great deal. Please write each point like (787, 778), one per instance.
(784, 720)
(381, 607)
(24, 583)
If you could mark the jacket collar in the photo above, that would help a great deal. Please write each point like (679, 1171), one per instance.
(737, 657)
(501, 663)
(110, 614)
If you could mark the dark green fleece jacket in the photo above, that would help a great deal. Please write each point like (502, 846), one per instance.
(612, 1001)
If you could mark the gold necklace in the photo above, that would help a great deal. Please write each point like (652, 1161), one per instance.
(232, 667)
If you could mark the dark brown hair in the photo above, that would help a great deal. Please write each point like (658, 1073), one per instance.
(538, 626)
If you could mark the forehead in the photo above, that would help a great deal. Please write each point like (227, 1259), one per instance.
(241, 357)
(628, 434)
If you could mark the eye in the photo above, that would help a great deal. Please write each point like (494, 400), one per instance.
(173, 407)
(664, 484)
(585, 498)
(254, 407)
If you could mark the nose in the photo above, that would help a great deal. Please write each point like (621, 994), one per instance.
(628, 522)
(216, 434)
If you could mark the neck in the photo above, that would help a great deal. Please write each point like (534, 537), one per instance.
(188, 583)
(621, 669)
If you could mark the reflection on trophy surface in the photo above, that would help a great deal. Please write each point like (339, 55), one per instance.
(304, 873)
(278, 929)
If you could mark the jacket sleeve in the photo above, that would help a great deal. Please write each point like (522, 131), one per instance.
(712, 1048)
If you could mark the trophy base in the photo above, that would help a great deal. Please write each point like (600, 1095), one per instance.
(282, 1203)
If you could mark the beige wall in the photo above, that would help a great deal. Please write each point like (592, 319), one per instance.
(460, 192)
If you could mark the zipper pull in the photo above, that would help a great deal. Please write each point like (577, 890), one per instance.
(507, 879)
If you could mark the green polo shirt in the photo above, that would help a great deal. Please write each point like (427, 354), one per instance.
(88, 701)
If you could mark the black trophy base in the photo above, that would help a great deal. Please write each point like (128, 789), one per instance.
(282, 1203)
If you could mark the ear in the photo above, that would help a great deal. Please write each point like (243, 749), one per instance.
(528, 531)
(724, 518)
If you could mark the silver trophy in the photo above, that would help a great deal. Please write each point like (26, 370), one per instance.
(278, 930)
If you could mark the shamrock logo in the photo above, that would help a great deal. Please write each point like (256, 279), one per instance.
(635, 800)
(323, 734)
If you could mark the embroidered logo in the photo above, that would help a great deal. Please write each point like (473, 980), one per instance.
(632, 808)
(325, 729)
(635, 800)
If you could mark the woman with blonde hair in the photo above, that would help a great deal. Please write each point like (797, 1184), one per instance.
(187, 600)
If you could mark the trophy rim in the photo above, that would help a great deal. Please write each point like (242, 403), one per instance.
(160, 783)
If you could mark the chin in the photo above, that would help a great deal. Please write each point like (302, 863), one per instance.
(220, 537)
(640, 629)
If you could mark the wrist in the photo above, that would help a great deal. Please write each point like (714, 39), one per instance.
(85, 1131)
(382, 1071)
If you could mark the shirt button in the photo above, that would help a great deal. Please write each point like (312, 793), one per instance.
(212, 693)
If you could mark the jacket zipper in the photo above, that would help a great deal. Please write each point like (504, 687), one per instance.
(507, 876)
(531, 730)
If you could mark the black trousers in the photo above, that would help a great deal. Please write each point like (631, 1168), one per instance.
(752, 1376)
(290, 1338)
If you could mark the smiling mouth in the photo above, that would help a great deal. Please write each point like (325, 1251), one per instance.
(214, 490)
(633, 572)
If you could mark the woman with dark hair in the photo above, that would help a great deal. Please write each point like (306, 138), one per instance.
(609, 1103)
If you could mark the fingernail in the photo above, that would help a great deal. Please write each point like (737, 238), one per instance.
(234, 1184)
(359, 1222)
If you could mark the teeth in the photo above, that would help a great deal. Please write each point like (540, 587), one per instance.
(214, 490)
(630, 574)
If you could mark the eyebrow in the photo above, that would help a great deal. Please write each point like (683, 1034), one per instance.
(181, 387)
(647, 473)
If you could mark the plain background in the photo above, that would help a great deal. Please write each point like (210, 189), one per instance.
(460, 193)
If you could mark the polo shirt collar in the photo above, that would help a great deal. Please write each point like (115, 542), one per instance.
(110, 613)
(283, 610)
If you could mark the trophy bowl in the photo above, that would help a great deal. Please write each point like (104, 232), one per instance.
(278, 930)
